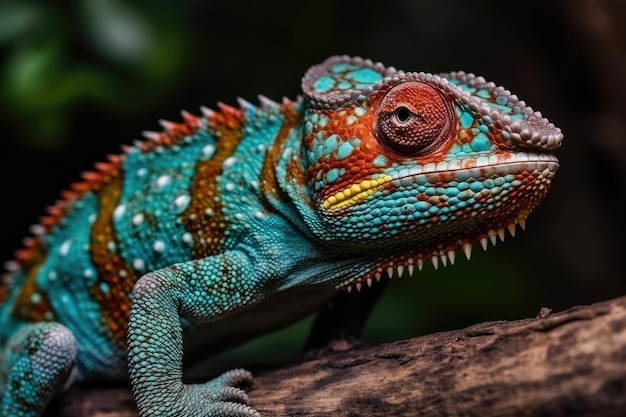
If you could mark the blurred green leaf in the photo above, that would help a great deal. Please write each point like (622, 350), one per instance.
(16, 17)
(107, 54)
(117, 31)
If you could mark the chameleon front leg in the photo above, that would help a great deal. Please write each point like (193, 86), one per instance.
(36, 364)
(199, 290)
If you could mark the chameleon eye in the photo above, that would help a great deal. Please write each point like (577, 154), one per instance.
(415, 119)
(403, 114)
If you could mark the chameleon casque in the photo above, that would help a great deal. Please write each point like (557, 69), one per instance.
(246, 219)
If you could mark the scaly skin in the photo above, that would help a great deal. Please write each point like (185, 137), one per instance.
(200, 230)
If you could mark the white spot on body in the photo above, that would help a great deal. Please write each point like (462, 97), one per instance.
(228, 162)
(64, 249)
(119, 211)
(138, 264)
(35, 298)
(187, 238)
(158, 246)
(137, 219)
(181, 202)
(208, 151)
(229, 186)
(162, 181)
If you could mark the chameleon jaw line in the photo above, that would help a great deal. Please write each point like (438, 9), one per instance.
(410, 265)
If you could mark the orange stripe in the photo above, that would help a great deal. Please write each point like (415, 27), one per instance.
(204, 214)
(112, 270)
(269, 185)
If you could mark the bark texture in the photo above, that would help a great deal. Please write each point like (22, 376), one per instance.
(571, 363)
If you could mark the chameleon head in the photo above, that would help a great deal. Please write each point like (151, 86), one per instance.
(416, 163)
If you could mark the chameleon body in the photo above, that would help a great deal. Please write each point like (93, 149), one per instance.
(246, 218)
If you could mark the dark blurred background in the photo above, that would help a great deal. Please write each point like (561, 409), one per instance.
(79, 78)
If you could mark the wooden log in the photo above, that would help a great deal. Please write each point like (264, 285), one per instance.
(571, 363)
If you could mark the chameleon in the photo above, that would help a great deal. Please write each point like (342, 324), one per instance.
(245, 218)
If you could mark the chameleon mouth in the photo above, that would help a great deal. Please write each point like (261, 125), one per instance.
(462, 169)
(408, 265)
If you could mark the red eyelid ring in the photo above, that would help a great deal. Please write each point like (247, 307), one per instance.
(428, 126)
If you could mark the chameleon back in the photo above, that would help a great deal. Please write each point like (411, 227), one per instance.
(175, 197)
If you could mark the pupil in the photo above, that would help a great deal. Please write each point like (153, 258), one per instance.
(403, 114)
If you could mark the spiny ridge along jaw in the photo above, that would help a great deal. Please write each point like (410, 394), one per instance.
(405, 266)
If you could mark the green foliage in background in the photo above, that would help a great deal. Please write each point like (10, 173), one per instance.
(57, 57)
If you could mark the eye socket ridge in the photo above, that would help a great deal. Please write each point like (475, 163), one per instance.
(414, 119)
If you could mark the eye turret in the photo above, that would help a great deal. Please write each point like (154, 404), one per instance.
(415, 119)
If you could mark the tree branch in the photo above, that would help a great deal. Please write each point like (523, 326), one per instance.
(571, 363)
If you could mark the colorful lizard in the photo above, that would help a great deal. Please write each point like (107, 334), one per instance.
(245, 219)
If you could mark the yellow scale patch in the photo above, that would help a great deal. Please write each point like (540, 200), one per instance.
(355, 193)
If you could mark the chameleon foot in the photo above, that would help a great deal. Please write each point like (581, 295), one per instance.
(216, 398)
(37, 362)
